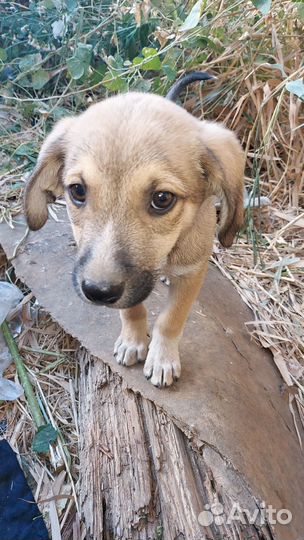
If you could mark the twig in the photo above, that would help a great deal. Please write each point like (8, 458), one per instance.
(23, 376)
(19, 244)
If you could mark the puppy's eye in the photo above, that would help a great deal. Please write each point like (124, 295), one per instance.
(77, 194)
(162, 201)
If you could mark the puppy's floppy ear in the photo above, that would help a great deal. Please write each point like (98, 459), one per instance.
(45, 183)
(223, 164)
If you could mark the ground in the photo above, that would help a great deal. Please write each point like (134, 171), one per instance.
(56, 59)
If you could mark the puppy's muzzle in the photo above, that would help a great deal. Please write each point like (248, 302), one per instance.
(102, 293)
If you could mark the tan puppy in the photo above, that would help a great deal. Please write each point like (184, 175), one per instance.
(139, 174)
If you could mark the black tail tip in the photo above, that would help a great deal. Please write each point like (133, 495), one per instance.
(187, 79)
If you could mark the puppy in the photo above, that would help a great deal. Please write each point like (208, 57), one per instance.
(139, 175)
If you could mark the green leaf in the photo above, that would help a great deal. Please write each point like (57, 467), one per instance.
(137, 60)
(39, 79)
(79, 64)
(29, 61)
(296, 87)
(264, 6)
(149, 51)
(113, 82)
(60, 112)
(25, 149)
(3, 55)
(47, 4)
(172, 56)
(142, 85)
(148, 65)
(194, 16)
(154, 64)
(25, 82)
(170, 72)
(98, 72)
(43, 438)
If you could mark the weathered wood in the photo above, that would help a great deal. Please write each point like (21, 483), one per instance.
(152, 458)
(141, 477)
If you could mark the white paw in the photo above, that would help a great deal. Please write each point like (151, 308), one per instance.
(162, 365)
(128, 351)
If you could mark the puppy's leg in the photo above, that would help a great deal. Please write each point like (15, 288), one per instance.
(162, 365)
(132, 344)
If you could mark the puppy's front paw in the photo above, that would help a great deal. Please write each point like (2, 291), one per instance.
(130, 349)
(162, 366)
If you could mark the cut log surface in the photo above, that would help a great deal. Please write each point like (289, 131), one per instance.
(151, 460)
(144, 479)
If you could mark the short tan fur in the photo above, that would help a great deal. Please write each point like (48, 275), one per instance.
(122, 153)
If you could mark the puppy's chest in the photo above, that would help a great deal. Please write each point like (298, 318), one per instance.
(172, 270)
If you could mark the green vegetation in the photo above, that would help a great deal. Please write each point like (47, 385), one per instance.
(56, 57)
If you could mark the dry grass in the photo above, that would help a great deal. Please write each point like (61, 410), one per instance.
(50, 356)
(266, 264)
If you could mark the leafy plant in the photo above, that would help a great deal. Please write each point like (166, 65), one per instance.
(45, 436)
(56, 56)
(56, 47)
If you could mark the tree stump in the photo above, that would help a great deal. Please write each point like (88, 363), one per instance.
(150, 459)
(142, 478)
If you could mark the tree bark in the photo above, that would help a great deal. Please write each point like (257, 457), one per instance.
(150, 459)
(142, 478)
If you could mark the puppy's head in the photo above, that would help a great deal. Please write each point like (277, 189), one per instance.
(135, 170)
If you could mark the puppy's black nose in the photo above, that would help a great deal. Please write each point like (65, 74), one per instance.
(102, 293)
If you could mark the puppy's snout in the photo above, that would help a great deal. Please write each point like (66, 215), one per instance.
(102, 293)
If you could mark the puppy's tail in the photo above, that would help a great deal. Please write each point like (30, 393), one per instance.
(184, 81)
